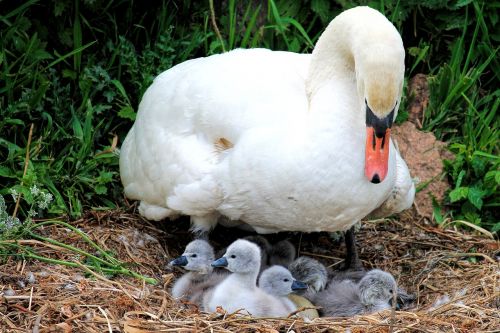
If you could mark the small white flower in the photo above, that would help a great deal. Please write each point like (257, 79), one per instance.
(31, 213)
(34, 190)
(14, 194)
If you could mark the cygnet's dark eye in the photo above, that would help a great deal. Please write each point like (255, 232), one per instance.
(233, 256)
(286, 280)
(194, 255)
(390, 291)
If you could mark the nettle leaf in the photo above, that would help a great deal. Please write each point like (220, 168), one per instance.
(475, 196)
(105, 177)
(460, 177)
(458, 194)
(479, 165)
(127, 112)
(101, 189)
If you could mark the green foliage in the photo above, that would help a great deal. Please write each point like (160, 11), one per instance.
(77, 69)
(13, 232)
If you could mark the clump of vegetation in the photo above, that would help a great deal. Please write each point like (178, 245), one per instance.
(77, 71)
(14, 232)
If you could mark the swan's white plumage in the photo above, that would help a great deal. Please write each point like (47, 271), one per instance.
(296, 125)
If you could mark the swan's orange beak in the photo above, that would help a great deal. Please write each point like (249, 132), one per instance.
(376, 155)
(378, 134)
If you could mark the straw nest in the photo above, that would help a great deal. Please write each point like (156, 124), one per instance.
(454, 274)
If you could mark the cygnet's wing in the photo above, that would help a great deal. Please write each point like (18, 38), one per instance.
(339, 300)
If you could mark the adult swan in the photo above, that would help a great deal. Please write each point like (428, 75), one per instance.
(277, 140)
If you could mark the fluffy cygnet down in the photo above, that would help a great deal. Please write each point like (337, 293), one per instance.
(239, 291)
(346, 298)
(311, 272)
(196, 259)
(279, 282)
(282, 253)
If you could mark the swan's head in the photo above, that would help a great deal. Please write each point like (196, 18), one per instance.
(380, 83)
(376, 287)
(241, 256)
(197, 257)
(277, 280)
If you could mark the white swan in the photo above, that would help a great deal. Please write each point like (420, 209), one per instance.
(239, 290)
(275, 139)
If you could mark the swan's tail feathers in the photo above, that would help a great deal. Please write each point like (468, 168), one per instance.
(202, 225)
(199, 199)
(154, 212)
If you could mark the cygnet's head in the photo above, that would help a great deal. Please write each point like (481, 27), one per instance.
(278, 281)
(310, 271)
(241, 256)
(282, 253)
(197, 257)
(377, 287)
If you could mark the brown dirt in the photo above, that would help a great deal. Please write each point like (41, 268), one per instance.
(428, 261)
(418, 92)
(424, 155)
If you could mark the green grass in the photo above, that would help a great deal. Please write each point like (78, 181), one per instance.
(79, 80)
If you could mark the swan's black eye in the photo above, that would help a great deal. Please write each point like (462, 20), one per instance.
(390, 291)
(286, 280)
(233, 256)
(193, 255)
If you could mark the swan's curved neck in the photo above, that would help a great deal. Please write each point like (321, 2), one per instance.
(359, 46)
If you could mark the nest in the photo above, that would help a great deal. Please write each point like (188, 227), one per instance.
(454, 275)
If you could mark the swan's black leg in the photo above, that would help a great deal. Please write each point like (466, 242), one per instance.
(352, 261)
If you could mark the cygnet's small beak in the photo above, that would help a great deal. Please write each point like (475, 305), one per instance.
(298, 285)
(221, 262)
(378, 133)
(181, 261)
(398, 306)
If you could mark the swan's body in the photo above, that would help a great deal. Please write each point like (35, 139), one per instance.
(239, 291)
(274, 139)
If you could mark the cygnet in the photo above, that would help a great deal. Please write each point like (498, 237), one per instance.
(311, 272)
(196, 259)
(239, 290)
(347, 298)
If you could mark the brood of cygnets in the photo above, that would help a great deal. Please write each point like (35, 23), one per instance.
(346, 298)
(277, 140)
(311, 272)
(239, 291)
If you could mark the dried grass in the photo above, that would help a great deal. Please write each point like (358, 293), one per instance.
(428, 261)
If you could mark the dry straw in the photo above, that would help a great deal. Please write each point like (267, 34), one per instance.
(454, 274)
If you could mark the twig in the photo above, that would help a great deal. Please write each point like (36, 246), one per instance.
(214, 24)
(26, 163)
(107, 319)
